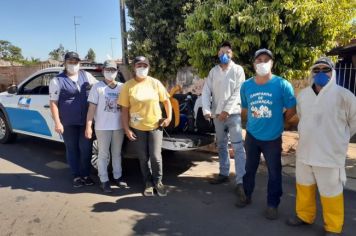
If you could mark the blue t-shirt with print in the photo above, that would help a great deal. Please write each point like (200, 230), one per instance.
(264, 104)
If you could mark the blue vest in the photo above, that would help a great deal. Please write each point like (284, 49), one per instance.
(72, 103)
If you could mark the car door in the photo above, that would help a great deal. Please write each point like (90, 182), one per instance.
(29, 111)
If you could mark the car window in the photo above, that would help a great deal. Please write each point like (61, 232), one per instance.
(39, 85)
(97, 73)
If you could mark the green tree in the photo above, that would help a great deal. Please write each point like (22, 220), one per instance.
(58, 53)
(30, 62)
(297, 31)
(155, 25)
(9, 52)
(90, 55)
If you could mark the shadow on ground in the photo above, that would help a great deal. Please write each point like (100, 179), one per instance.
(192, 207)
(46, 170)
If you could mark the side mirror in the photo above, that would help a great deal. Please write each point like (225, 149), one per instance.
(12, 89)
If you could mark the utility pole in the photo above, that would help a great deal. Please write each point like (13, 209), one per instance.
(112, 49)
(125, 60)
(75, 32)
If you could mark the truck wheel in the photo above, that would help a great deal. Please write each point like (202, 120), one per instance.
(6, 136)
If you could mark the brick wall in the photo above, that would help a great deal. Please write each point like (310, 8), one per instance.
(15, 74)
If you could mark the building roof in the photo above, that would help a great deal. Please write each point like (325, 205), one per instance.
(347, 50)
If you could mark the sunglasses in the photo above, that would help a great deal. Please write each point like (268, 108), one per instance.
(323, 70)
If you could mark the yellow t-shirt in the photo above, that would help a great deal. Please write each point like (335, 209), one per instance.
(143, 100)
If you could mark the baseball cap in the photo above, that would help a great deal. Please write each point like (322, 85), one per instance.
(263, 51)
(71, 55)
(141, 59)
(325, 61)
(110, 64)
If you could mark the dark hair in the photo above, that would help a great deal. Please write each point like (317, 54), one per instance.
(226, 44)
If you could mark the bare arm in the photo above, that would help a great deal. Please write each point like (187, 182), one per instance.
(90, 118)
(289, 113)
(168, 107)
(125, 123)
(55, 115)
(243, 114)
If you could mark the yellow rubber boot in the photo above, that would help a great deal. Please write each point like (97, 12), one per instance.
(333, 213)
(306, 202)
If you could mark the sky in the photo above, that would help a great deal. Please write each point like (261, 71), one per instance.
(39, 26)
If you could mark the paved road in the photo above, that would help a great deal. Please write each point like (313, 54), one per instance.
(36, 198)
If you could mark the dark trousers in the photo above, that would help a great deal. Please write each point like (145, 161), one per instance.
(149, 147)
(78, 150)
(272, 153)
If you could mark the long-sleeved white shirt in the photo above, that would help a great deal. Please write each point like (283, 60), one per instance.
(326, 123)
(221, 90)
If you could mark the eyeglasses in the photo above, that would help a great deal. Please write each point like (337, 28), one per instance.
(323, 70)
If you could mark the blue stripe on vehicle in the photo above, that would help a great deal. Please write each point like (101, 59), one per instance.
(28, 120)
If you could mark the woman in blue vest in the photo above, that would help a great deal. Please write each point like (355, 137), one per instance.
(68, 101)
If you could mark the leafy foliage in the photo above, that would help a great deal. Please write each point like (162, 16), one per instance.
(9, 52)
(296, 31)
(90, 55)
(155, 27)
(58, 53)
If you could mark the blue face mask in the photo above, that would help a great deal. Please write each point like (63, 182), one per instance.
(224, 59)
(321, 79)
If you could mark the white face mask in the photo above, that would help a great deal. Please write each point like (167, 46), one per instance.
(72, 69)
(142, 72)
(263, 69)
(110, 75)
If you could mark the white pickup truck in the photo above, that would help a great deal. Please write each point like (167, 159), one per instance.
(24, 109)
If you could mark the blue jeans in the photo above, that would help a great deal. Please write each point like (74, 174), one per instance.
(272, 153)
(231, 126)
(78, 150)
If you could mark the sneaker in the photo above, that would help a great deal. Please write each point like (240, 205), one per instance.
(105, 186)
(220, 179)
(148, 191)
(161, 189)
(241, 197)
(78, 182)
(88, 181)
(296, 221)
(271, 213)
(240, 203)
(121, 183)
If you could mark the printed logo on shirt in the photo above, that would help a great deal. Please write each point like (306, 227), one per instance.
(110, 104)
(260, 105)
(135, 118)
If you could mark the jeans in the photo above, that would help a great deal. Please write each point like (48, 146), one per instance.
(149, 147)
(78, 150)
(109, 141)
(272, 153)
(232, 126)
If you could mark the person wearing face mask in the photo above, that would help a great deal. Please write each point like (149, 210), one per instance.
(108, 129)
(142, 120)
(221, 101)
(68, 103)
(263, 99)
(327, 120)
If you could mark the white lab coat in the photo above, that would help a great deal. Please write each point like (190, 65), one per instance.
(326, 123)
(221, 90)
